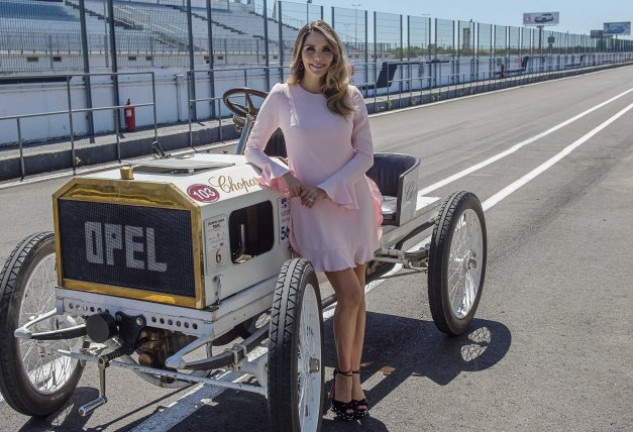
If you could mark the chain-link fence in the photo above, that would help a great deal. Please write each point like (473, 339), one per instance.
(114, 35)
(200, 48)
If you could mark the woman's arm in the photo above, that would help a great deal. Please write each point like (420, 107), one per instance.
(266, 123)
(339, 186)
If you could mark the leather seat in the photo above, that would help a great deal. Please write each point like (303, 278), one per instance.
(388, 173)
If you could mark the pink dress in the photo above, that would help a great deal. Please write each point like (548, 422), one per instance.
(329, 151)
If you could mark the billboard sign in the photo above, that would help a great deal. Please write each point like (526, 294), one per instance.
(596, 34)
(540, 18)
(617, 28)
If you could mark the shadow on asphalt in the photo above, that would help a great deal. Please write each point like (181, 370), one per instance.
(68, 419)
(398, 348)
(395, 347)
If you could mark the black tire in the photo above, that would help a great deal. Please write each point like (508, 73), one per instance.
(32, 262)
(295, 378)
(456, 282)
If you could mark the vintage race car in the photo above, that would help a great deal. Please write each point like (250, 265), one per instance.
(152, 265)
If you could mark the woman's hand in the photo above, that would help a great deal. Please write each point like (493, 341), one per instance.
(293, 185)
(311, 194)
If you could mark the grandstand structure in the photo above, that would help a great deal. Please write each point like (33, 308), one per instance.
(45, 35)
(55, 36)
(176, 57)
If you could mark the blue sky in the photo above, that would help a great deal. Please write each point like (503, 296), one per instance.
(576, 16)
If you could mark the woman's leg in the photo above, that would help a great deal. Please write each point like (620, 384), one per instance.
(359, 337)
(350, 302)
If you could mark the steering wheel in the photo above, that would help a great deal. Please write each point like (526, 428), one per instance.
(242, 110)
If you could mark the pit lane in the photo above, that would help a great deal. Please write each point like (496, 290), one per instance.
(548, 347)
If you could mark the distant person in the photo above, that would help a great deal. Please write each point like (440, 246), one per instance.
(335, 208)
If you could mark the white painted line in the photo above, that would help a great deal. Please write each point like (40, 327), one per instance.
(517, 147)
(198, 396)
(505, 192)
(179, 410)
(424, 201)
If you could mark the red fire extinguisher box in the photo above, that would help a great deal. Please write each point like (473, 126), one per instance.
(130, 116)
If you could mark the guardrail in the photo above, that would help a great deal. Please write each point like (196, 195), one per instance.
(70, 111)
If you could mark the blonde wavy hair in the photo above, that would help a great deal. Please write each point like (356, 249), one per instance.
(334, 84)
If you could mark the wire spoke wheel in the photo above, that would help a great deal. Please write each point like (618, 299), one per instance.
(47, 371)
(457, 262)
(295, 358)
(464, 267)
(34, 379)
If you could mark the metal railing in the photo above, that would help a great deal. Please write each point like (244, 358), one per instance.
(70, 111)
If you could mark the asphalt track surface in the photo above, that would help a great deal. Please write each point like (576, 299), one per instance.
(552, 343)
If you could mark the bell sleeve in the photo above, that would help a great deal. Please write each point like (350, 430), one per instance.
(340, 186)
(266, 123)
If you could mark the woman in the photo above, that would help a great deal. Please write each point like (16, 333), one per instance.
(335, 222)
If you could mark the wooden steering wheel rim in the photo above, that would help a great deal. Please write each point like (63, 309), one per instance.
(239, 109)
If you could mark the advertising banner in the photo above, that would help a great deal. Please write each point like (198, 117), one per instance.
(617, 28)
(540, 18)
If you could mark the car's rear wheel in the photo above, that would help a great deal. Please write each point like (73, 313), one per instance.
(457, 262)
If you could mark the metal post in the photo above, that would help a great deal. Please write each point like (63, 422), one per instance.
(375, 55)
(409, 68)
(21, 144)
(50, 51)
(355, 5)
(455, 68)
(105, 34)
(366, 41)
(152, 52)
(154, 106)
(118, 139)
(507, 59)
(192, 64)
(281, 43)
(266, 49)
(434, 77)
(474, 70)
(333, 17)
(115, 67)
(401, 55)
(540, 44)
(86, 78)
(429, 54)
(211, 59)
(190, 77)
(72, 130)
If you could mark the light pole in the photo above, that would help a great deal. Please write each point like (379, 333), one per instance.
(308, 2)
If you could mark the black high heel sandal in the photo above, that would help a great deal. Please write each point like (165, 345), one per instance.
(343, 410)
(361, 407)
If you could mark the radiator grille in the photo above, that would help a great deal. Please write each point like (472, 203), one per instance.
(127, 246)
